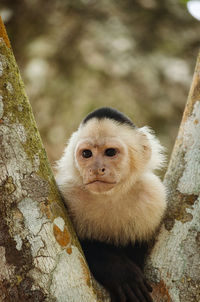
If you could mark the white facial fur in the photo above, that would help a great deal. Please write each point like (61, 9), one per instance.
(112, 198)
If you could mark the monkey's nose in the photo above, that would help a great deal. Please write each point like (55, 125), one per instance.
(101, 171)
(97, 171)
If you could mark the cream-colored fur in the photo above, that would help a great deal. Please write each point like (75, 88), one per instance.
(133, 208)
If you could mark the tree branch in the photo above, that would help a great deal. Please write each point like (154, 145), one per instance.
(40, 257)
(173, 265)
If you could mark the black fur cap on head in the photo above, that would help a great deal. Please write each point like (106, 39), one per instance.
(109, 113)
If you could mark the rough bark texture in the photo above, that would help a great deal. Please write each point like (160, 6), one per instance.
(174, 264)
(40, 258)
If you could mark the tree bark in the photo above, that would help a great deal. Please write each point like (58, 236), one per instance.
(40, 257)
(174, 263)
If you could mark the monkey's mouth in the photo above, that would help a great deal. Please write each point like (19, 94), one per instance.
(98, 186)
(97, 181)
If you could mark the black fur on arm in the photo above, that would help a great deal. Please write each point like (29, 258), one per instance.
(116, 269)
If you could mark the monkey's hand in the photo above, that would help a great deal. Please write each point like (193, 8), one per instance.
(124, 280)
(116, 272)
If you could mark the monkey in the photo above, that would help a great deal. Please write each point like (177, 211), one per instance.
(116, 202)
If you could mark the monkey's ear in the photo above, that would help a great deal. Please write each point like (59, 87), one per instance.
(146, 147)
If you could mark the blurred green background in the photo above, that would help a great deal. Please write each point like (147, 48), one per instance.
(135, 55)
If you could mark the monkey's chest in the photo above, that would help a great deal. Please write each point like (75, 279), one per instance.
(111, 223)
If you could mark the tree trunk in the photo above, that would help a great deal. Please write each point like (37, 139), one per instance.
(174, 263)
(40, 258)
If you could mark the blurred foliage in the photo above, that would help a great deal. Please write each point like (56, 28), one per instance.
(184, 1)
(135, 55)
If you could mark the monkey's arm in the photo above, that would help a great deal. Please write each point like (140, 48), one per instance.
(117, 272)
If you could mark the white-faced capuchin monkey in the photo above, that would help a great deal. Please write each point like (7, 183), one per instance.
(116, 202)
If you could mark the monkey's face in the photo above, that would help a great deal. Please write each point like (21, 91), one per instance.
(109, 155)
(101, 162)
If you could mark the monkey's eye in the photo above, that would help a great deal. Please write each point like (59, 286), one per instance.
(110, 152)
(86, 153)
